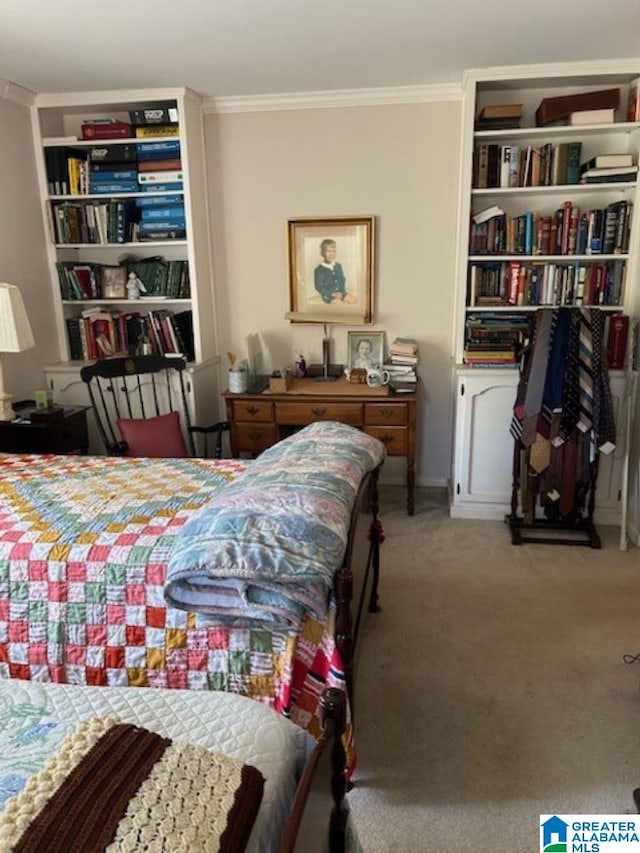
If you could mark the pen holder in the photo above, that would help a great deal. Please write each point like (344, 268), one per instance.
(237, 381)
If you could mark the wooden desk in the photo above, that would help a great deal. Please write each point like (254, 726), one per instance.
(67, 435)
(257, 421)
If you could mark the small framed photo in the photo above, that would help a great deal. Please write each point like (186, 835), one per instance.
(331, 269)
(114, 282)
(365, 349)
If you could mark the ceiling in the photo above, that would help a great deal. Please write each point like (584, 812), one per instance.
(251, 47)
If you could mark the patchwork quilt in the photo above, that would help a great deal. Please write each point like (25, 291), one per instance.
(84, 546)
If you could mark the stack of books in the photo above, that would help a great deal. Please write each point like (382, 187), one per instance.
(499, 117)
(495, 340)
(402, 365)
(605, 168)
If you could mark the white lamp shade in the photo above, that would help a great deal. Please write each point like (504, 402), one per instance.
(15, 330)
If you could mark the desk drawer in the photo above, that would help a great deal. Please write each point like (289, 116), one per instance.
(252, 410)
(394, 438)
(303, 412)
(254, 437)
(392, 414)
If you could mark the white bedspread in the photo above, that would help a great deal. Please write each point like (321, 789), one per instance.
(36, 717)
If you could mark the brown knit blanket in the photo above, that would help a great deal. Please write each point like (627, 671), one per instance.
(114, 786)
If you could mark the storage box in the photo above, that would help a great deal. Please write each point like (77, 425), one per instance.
(280, 384)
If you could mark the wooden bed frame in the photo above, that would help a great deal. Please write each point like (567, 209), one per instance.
(363, 554)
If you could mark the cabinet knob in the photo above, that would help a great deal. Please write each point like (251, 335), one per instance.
(386, 439)
(255, 436)
(318, 412)
(386, 413)
(252, 410)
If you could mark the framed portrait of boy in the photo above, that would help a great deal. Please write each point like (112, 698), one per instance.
(365, 350)
(331, 269)
(114, 282)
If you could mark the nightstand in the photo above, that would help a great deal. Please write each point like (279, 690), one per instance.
(67, 434)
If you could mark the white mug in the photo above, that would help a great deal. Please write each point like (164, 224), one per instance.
(376, 378)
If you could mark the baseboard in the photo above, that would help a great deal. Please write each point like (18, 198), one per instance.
(496, 512)
(394, 478)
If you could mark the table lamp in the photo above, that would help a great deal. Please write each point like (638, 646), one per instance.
(15, 336)
(326, 340)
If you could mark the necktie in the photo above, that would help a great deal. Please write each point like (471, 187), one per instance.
(585, 372)
(570, 393)
(537, 376)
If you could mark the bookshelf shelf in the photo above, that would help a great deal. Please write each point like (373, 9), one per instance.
(186, 321)
(557, 189)
(482, 461)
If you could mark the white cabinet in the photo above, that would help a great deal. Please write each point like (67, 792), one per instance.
(482, 476)
(77, 242)
(484, 452)
(483, 448)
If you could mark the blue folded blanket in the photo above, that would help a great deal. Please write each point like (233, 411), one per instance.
(264, 550)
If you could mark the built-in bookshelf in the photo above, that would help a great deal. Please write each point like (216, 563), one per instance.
(540, 224)
(124, 200)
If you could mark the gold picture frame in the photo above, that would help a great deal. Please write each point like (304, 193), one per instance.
(331, 273)
(365, 350)
(114, 282)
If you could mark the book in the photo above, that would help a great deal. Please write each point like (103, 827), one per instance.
(166, 113)
(159, 165)
(105, 129)
(112, 154)
(159, 200)
(172, 213)
(112, 176)
(157, 130)
(574, 152)
(498, 111)
(633, 100)
(170, 186)
(162, 177)
(585, 117)
(562, 106)
(114, 187)
(487, 213)
(606, 161)
(149, 149)
(614, 173)
(617, 341)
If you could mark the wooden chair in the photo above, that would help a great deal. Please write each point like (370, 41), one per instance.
(141, 408)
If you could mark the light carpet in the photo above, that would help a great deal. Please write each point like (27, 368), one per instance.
(491, 688)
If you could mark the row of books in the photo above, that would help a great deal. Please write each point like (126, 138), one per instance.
(100, 333)
(80, 281)
(515, 283)
(138, 167)
(567, 231)
(116, 221)
(402, 365)
(498, 166)
(494, 340)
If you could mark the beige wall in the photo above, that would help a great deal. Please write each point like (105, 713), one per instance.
(399, 163)
(22, 249)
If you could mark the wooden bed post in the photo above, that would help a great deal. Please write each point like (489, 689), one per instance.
(344, 625)
(333, 718)
(376, 536)
(333, 708)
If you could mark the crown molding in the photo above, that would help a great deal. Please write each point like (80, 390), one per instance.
(591, 68)
(18, 94)
(334, 98)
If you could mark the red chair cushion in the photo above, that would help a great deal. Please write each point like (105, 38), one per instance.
(160, 436)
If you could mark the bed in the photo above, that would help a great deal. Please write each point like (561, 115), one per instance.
(85, 543)
(232, 764)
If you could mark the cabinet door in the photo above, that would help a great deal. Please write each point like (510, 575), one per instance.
(610, 467)
(69, 390)
(484, 446)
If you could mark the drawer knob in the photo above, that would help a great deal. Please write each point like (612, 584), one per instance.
(386, 439)
(252, 410)
(319, 412)
(255, 436)
(386, 413)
